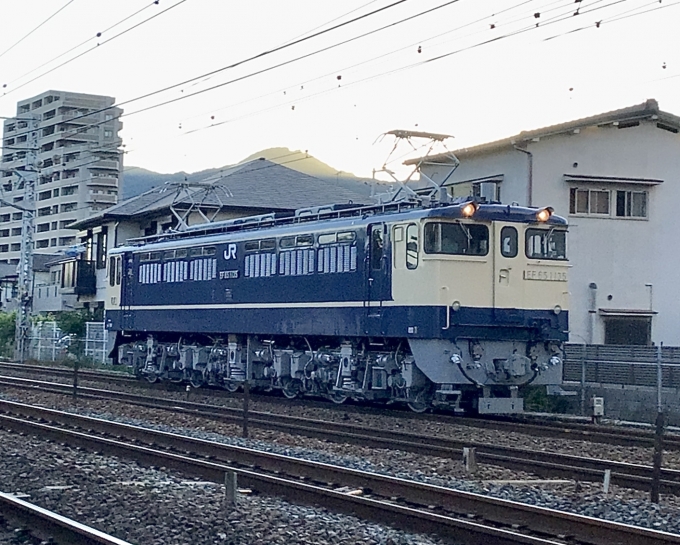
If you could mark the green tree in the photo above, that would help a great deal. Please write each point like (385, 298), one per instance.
(7, 333)
(73, 322)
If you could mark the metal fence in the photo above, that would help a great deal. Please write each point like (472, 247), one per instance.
(45, 345)
(44, 342)
(654, 366)
(95, 341)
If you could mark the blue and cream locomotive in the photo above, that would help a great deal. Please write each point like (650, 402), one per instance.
(456, 305)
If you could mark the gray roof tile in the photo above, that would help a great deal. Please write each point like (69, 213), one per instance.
(258, 184)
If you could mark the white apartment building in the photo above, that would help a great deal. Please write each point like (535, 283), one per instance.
(616, 177)
(70, 142)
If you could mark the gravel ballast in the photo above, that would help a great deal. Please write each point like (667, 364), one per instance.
(158, 507)
(621, 505)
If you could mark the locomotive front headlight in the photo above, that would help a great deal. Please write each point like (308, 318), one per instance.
(555, 360)
(544, 213)
(455, 306)
(469, 209)
(456, 359)
(557, 309)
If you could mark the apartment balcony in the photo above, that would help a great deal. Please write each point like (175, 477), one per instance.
(106, 164)
(79, 277)
(102, 181)
(102, 198)
(79, 136)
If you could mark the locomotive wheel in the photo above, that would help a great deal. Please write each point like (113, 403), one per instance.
(420, 403)
(231, 386)
(196, 379)
(291, 388)
(338, 397)
(151, 377)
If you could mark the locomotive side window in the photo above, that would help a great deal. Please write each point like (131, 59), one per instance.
(119, 270)
(268, 244)
(412, 246)
(205, 250)
(150, 256)
(509, 242)
(252, 246)
(287, 242)
(347, 236)
(377, 244)
(456, 239)
(546, 244)
(304, 240)
(112, 271)
(327, 238)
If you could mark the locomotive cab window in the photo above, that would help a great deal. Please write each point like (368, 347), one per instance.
(509, 242)
(456, 239)
(546, 243)
(412, 246)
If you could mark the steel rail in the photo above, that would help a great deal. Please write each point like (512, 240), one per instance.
(412, 505)
(559, 429)
(542, 463)
(46, 524)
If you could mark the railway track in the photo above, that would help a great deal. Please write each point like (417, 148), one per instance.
(50, 526)
(607, 434)
(409, 505)
(542, 463)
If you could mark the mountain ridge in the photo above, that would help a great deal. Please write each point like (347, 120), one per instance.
(137, 180)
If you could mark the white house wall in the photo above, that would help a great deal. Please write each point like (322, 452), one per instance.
(620, 255)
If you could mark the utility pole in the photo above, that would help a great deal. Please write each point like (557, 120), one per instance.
(25, 287)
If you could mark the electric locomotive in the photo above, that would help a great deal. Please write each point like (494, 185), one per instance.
(457, 304)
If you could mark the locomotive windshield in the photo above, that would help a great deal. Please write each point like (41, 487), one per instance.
(456, 239)
(546, 243)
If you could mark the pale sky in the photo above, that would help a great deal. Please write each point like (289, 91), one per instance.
(336, 103)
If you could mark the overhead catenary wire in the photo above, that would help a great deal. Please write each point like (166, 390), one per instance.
(349, 67)
(178, 3)
(99, 34)
(450, 53)
(366, 79)
(36, 28)
(556, 19)
(257, 56)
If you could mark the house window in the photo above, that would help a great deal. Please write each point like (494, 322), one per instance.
(628, 330)
(600, 202)
(101, 248)
(589, 201)
(631, 204)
